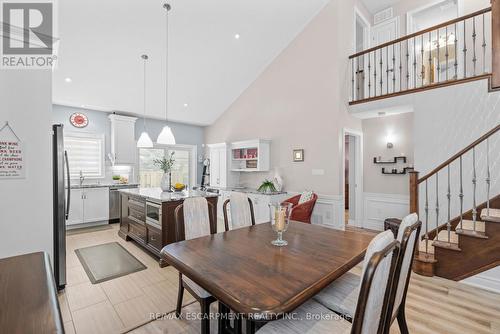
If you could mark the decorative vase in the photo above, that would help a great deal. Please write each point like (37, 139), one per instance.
(278, 180)
(280, 219)
(166, 182)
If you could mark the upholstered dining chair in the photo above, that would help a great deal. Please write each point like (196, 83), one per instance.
(192, 220)
(340, 296)
(303, 206)
(241, 209)
(374, 300)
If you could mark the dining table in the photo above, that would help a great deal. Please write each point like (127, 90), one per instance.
(259, 281)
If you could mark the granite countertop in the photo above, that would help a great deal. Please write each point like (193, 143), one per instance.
(252, 191)
(104, 185)
(157, 195)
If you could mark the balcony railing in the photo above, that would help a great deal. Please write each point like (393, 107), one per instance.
(452, 52)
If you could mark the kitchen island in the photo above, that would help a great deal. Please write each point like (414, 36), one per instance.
(147, 216)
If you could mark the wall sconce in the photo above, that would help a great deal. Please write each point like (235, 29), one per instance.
(390, 145)
(389, 139)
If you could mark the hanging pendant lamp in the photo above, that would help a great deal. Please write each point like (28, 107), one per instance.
(166, 136)
(144, 140)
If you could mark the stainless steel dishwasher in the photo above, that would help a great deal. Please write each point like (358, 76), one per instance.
(114, 201)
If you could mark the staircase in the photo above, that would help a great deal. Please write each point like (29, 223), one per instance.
(468, 243)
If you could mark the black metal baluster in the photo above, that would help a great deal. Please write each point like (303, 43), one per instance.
(426, 208)
(488, 176)
(484, 46)
(393, 67)
(455, 42)
(465, 51)
(369, 76)
(474, 181)
(431, 68)
(407, 65)
(357, 79)
(352, 79)
(375, 73)
(438, 62)
(474, 58)
(447, 54)
(387, 69)
(381, 74)
(422, 60)
(414, 62)
(461, 195)
(448, 195)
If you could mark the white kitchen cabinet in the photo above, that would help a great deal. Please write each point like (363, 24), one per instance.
(75, 215)
(123, 145)
(250, 156)
(88, 205)
(96, 205)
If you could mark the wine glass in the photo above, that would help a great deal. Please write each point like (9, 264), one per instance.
(280, 219)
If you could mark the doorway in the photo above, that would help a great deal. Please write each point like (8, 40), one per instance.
(352, 175)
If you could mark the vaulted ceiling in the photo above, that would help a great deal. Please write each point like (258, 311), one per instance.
(101, 43)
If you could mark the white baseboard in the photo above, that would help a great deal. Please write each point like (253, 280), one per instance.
(378, 206)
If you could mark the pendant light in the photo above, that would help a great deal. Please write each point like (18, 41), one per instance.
(144, 140)
(166, 136)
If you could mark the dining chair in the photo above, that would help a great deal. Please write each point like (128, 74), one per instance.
(340, 296)
(192, 220)
(241, 209)
(374, 301)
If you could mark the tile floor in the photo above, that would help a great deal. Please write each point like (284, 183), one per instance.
(121, 304)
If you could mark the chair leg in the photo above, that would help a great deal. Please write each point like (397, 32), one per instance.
(403, 327)
(222, 323)
(205, 313)
(250, 326)
(180, 295)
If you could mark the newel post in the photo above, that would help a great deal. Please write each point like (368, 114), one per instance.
(413, 192)
(495, 44)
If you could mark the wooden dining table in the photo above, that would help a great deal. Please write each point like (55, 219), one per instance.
(259, 281)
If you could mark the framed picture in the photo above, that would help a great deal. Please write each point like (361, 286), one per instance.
(298, 155)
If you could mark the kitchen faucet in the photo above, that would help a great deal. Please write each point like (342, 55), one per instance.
(82, 178)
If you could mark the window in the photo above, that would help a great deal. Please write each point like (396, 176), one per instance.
(85, 154)
(183, 170)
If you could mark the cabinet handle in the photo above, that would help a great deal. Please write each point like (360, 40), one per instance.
(153, 238)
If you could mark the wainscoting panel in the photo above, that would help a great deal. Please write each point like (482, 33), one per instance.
(377, 207)
(329, 211)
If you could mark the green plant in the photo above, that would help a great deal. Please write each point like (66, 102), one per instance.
(116, 177)
(267, 186)
(165, 164)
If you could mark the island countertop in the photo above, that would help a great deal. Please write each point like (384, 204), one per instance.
(157, 195)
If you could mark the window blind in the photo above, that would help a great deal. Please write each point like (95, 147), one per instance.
(85, 154)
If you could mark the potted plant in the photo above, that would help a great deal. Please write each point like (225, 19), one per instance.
(267, 187)
(166, 164)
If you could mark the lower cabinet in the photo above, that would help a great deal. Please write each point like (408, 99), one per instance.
(154, 238)
(88, 205)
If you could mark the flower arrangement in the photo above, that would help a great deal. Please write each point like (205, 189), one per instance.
(165, 163)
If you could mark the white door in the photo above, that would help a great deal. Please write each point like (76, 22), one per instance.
(96, 205)
(75, 215)
(382, 33)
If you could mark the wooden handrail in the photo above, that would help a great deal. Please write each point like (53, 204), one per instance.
(460, 153)
(418, 33)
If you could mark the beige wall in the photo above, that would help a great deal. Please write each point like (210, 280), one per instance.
(300, 101)
(375, 132)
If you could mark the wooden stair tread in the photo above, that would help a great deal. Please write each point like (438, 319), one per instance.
(425, 257)
(469, 225)
(493, 216)
(423, 249)
(446, 245)
(443, 236)
(471, 233)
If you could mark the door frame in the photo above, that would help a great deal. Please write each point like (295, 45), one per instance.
(395, 20)
(358, 221)
(411, 13)
(366, 31)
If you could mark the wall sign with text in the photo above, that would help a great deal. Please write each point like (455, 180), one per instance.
(12, 160)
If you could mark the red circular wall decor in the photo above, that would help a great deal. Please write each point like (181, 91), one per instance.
(79, 120)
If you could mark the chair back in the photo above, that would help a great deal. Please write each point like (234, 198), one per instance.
(376, 285)
(192, 218)
(408, 233)
(241, 208)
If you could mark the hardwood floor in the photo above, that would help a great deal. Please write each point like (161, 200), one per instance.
(434, 305)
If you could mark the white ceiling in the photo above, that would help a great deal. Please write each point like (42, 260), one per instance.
(375, 6)
(101, 43)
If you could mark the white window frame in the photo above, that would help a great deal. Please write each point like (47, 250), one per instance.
(193, 153)
(86, 135)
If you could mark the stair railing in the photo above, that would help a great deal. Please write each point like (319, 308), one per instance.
(453, 52)
(416, 183)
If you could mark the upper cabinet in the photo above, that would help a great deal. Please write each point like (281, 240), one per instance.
(250, 156)
(123, 145)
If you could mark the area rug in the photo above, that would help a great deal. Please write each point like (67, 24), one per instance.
(107, 261)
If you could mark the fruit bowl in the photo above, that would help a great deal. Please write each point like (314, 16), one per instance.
(179, 187)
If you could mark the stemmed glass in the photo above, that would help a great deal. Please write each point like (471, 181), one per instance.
(280, 219)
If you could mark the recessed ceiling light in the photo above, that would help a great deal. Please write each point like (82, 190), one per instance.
(68, 80)
(237, 36)
(185, 105)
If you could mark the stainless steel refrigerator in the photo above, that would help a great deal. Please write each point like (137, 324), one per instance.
(61, 193)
